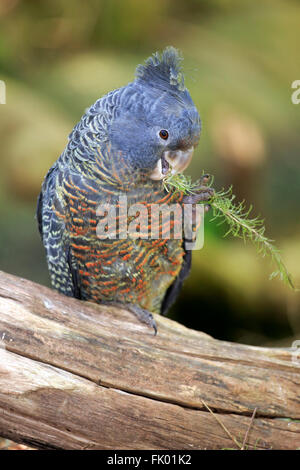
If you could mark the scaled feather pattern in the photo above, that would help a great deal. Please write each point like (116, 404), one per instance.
(111, 153)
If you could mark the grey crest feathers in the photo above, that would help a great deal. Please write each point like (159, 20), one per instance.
(163, 70)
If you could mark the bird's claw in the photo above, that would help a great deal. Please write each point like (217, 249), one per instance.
(201, 193)
(204, 179)
(143, 315)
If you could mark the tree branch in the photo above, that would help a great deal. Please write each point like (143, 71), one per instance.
(75, 375)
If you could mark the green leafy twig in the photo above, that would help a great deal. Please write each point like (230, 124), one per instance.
(240, 223)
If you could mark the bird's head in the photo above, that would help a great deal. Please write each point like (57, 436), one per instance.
(156, 124)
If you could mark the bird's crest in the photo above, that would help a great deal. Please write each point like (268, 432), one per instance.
(162, 69)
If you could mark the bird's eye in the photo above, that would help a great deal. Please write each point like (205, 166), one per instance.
(163, 134)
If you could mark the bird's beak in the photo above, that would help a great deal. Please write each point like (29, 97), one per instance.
(172, 162)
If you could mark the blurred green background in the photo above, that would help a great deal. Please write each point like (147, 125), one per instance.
(241, 57)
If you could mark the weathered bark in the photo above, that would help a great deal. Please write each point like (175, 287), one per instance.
(75, 375)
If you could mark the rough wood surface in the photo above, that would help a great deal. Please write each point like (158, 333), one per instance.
(75, 375)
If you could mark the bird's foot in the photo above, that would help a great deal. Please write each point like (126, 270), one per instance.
(143, 315)
(201, 193)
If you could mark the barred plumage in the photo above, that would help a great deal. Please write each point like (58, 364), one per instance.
(111, 153)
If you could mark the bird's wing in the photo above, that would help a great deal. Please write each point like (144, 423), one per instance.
(55, 237)
(84, 141)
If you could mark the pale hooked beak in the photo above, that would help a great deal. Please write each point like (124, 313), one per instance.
(172, 162)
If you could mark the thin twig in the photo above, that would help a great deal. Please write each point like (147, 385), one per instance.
(222, 425)
(240, 223)
(248, 430)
